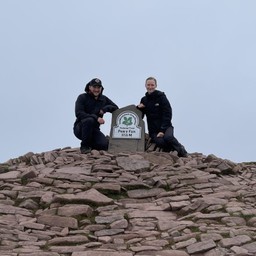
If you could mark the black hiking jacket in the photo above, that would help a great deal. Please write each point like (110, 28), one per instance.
(87, 106)
(158, 111)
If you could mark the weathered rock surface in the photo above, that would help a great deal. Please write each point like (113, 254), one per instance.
(62, 203)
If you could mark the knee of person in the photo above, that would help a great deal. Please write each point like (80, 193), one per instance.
(77, 132)
(160, 143)
(169, 139)
(168, 136)
(88, 121)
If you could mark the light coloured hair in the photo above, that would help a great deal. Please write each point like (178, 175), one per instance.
(151, 78)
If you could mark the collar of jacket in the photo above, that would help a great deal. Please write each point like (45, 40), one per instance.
(154, 94)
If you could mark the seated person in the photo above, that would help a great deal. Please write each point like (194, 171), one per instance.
(158, 111)
(89, 110)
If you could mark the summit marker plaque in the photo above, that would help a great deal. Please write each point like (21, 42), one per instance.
(127, 130)
(127, 126)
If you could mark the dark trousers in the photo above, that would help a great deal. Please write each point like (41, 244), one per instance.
(89, 133)
(168, 142)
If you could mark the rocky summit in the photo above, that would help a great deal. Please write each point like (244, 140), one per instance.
(63, 203)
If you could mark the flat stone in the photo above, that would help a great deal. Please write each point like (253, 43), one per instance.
(108, 219)
(119, 224)
(211, 216)
(239, 250)
(89, 196)
(69, 210)
(145, 248)
(184, 244)
(145, 193)
(211, 236)
(32, 225)
(251, 247)
(169, 224)
(235, 241)
(132, 164)
(112, 188)
(58, 221)
(37, 254)
(67, 249)
(9, 175)
(102, 253)
(9, 209)
(68, 240)
(152, 214)
(108, 232)
(234, 221)
(201, 246)
(86, 169)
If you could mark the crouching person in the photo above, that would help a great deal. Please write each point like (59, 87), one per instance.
(89, 110)
(158, 111)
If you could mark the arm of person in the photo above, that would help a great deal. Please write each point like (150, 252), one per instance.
(110, 106)
(160, 135)
(141, 107)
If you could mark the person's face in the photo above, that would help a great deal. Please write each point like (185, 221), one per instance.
(95, 90)
(150, 85)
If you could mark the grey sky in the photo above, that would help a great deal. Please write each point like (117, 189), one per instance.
(202, 52)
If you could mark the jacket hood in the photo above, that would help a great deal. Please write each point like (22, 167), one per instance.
(94, 82)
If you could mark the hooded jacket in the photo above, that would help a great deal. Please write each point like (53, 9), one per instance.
(158, 111)
(88, 106)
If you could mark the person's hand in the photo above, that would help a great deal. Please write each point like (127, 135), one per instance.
(141, 105)
(101, 120)
(160, 134)
(101, 112)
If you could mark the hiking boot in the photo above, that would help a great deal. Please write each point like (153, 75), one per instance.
(85, 150)
(182, 152)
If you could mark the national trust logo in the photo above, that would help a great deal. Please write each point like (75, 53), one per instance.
(127, 119)
(127, 126)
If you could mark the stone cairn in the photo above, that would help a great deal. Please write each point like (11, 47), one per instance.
(63, 203)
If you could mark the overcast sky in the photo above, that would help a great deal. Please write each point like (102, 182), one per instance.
(202, 52)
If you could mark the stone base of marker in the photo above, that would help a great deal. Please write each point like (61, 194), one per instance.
(127, 130)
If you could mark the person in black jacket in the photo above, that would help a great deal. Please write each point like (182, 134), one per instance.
(158, 111)
(89, 109)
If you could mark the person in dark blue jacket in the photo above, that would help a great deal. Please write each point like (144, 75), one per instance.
(89, 110)
(158, 111)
